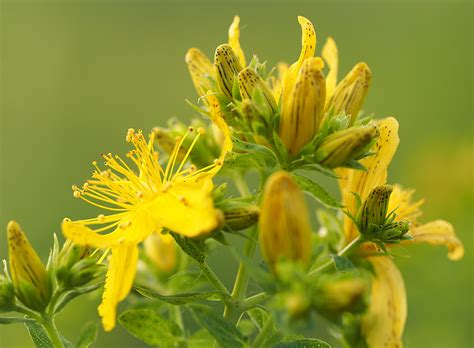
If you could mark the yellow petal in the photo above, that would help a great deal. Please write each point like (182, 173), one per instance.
(187, 208)
(218, 120)
(234, 40)
(119, 280)
(330, 55)
(405, 208)
(201, 70)
(308, 47)
(383, 324)
(362, 182)
(161, 249)
(439, 232)
(133, 228)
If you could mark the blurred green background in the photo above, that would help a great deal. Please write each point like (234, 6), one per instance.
(76, 74)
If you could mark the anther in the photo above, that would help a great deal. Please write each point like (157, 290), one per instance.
(218, 162)
(76, 194)
(66, 220)
(201, 130)
(101, 217)
(191, 129)
(165, 187)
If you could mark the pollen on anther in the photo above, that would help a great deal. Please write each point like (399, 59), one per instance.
(101, 217)
(76, 194)
(218, 162)
(192, 168)
(201, 130)
(191, 129)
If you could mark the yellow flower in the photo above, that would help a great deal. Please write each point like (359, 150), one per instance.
(141, 202)
(234, 40)
(384, 321)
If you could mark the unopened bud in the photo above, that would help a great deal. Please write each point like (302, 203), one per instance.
(75, 265)
(374, 209)
(249, 82)
(161, 250)
(234, 40)
(285, 230)
(297, 305)
(350, 93)
(7, 294)
(303, 108)
(340, 147)
(227, 67)
(239, 216)
(342, 295)
(201, 70)
(28, 273)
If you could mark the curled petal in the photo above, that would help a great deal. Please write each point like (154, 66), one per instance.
(308, 47)
(330, 55)
(119, 280)
(234, 40)
(384, 322)
(439, 232)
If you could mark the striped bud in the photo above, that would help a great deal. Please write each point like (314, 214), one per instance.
(303, 109)
(340, 147)
(240, 215)
(285, 230)
(201, 70)
(161, 250)
(227, 67)
(374, 209)
(249, 81)
(350, 93)
(28, 273)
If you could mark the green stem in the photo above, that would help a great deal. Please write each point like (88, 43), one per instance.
(241, 184)
(263, 334)
(53, 333)
(212, 277)
(347, 249)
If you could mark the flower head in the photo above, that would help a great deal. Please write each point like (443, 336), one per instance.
(140, 197)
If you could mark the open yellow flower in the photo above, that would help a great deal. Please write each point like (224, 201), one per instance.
(384, 322)
(141, 202)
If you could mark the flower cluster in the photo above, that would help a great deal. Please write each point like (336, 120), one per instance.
(161, 214)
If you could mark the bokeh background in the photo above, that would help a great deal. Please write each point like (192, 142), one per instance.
(76, 74)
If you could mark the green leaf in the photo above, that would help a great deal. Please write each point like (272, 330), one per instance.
(223, 331)
(182, 299)
(343, 264)
(15, 320)
(316, 191)
(192, 247)
(318, 168)
(149, 326)
(303, 343)
(88, 335)
(38, 335)
(244, 160)
(201, 339)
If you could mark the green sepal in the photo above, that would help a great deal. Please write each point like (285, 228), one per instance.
(316, 191)
(184, 298)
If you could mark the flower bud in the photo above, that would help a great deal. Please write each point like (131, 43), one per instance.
(303, 109)
(227, 67)
(285, 230)
(350, 93)
(76, 266)
(374, 209)
(201, 70)
(29, 275)
(161, 250)
(341, 295)
(234, 39)
(240, 215)
(7, 294)
(249, 81)
(340, 147)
